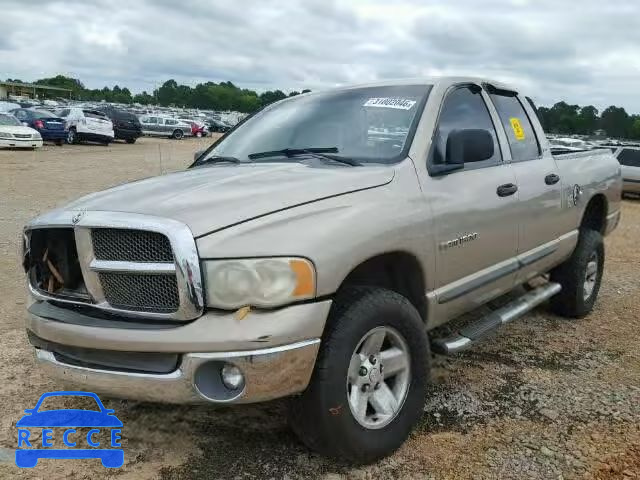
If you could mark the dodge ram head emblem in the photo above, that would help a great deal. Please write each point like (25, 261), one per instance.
(76, 218)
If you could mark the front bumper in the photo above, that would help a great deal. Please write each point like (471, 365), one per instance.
(21, 143)
(275, 350)
(269, 373)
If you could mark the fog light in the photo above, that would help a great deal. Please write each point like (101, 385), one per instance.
(232, 377)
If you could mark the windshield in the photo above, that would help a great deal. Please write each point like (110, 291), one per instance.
(369, 124)
(8, 120)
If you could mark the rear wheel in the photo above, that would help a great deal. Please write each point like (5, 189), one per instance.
(580, 277)
(72, 136)
(369, 383)
(177, 134)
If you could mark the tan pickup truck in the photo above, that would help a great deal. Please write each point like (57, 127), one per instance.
(311, 251)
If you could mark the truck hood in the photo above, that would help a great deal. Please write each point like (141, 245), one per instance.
(213, 197)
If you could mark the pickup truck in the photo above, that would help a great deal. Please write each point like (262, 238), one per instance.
(311, 252)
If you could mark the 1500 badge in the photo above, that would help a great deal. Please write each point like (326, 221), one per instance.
(460, 241)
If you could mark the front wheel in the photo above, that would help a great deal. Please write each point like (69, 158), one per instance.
(177, 134)
(580, 277)
(72, 137)
(369, 384)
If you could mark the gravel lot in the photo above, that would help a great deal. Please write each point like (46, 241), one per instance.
(545, 398)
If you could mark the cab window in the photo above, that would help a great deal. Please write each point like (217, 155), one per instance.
(464, 108)
(520, 133)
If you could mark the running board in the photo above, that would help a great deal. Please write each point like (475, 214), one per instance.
(470, 334)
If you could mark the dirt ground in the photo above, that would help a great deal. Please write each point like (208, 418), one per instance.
(545, 398)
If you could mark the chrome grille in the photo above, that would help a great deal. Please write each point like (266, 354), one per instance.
(141, 292)
(130, 245)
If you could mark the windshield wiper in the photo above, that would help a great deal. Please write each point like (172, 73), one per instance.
(318, 152)
(218, 159)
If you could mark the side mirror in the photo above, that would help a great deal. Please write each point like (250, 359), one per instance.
(25, 124)
(468, 146)
(198, 154)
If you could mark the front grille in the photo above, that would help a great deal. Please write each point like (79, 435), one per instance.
(141, 292)
(22, 135)
(130, 245)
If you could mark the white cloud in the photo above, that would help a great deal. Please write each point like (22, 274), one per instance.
(582, 52)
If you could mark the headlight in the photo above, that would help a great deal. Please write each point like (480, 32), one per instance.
(261, 282)
(6, 136)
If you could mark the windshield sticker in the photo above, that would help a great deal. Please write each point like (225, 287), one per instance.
(390, 102)
(518, 131)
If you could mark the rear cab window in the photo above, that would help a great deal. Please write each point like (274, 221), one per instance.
(517, 125)
(629, 157)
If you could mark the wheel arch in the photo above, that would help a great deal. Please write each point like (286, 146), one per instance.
(595, 213)
(399, 271)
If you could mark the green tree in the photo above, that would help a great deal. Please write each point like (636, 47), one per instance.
(616, 122)
(635, 127)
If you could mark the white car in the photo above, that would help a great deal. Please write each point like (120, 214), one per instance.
(85, 124)
(629, 158)
(15, 135)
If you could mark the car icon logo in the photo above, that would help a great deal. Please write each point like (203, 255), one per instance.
(72, 422)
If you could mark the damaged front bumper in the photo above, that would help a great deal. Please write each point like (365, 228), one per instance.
(274, 350)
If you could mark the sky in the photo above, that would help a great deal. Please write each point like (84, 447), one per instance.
(583, 52)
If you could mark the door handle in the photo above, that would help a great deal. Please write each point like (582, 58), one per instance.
(551, 179)
(507, 189)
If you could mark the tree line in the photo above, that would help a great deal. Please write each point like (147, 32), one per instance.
(210, 95)
(561, 118)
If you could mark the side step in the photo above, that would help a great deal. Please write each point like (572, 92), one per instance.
(470, 334)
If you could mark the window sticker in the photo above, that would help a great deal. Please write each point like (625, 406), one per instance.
(518, 131)
(390, 102)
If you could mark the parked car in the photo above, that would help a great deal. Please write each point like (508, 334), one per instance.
(126, 126)
(51, 127)
(302, 259)
(216, 125)
(87, 125)
(14, 134)
(198, 129)
(629, 158)
(156, 125)
(8, 106)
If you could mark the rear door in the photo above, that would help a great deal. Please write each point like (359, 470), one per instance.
(538, 180)
(474, 216)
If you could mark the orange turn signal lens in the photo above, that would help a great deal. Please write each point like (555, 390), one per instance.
(305, 278)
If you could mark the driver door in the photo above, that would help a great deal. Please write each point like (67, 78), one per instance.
(475, 214)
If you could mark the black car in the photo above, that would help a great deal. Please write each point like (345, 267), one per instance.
(216, 125)
(126, 126)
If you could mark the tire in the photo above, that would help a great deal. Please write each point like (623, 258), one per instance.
(59, 142)
(580, 284)
(130, 140)
(72, 136)
(177, 134)
(323, 418)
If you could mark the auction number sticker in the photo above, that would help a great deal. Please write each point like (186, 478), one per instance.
(390, 102)
(518, 131)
